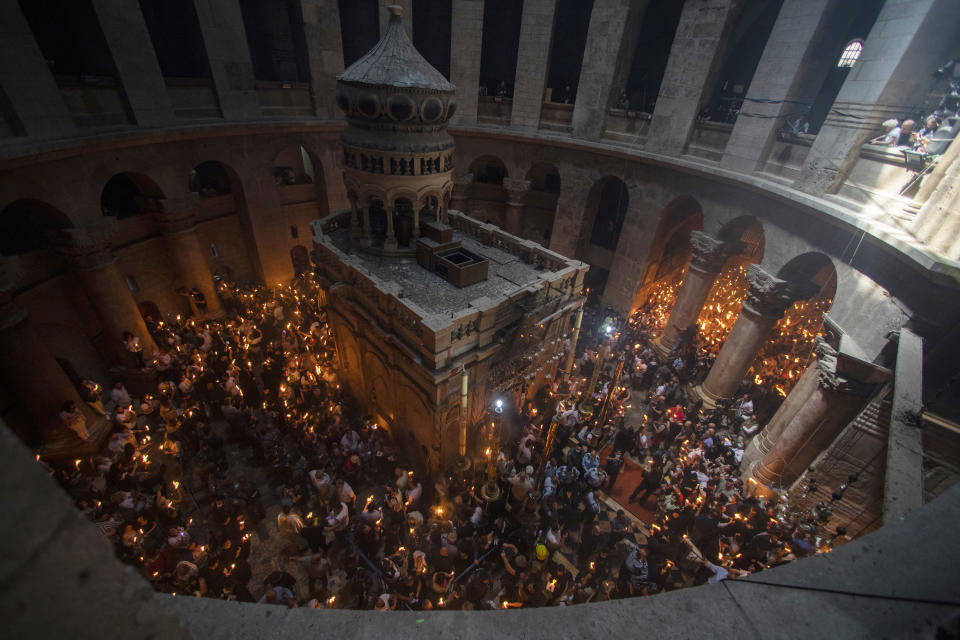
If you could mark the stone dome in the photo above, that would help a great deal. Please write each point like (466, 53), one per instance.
(393, 84)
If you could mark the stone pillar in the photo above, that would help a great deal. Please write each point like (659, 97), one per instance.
(937, 221)
(321, 25)
(31, 375)
(696, 56)
(190, 257)
(458, 199)
(225, 39)
(907, 36)
(533, 59)
(762, 443)
(355, 220)
(794, 44)
(390, 242)
(709, 256)
(107, 290)
(610, 43)
(571, 212)
(831, 404)
(407, 14)
(416, 222)
(767, 300)
(26, 79)
(516, 193)
(367, 235)
(466, 44)
(137, 67)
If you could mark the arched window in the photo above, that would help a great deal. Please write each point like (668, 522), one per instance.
(850, 54)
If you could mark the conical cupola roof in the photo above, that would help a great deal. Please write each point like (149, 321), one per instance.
(395, 62)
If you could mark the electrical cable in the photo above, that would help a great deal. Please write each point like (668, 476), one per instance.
(843, 592)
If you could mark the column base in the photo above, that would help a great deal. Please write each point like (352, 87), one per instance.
(65, 446)
(709, 400)
(663, 350)
(756, 486)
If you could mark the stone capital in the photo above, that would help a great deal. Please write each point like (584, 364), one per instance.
(829, 377)
(770, 296)
(88, 247)
(516, 191)
(710, 254)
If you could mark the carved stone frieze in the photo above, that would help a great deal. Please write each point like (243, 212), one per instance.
(770, 296)
(710, 254)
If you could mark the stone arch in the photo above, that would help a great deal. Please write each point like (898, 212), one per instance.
(670, 249)
(210, 178)
(606, 211)
(28, 225)
(130, 194)
(540, 203)
(814, 267)
(748, 230)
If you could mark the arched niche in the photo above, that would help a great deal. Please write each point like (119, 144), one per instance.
(540, 204)
(812, 267)
(670, 249)
(749, 231)
(607, 205)
(486, 196)
(210, 179)
(28, 225)
(130, 194)
(298, 175)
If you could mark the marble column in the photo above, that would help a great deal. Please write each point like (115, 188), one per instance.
(34, 380)
(907, 36)
(225, 39)
(390, 242)
(321, 25)
(831, 404)
(790, 65)
(767, 300)
(27, 82)
(533, 59)
(709, 256)
(762, 443)
(180, 231)
(697, 53)
(458, 199)
(355, 230)
(465, 47)
(106, 288)
(138, 69)
(516, 194)
(611, 39)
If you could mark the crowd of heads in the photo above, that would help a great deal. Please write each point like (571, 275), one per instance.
(249, 419)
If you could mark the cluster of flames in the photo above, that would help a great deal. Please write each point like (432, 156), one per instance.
(782, 359)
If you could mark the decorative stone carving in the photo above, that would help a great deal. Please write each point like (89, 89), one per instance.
(516, 191)
(829, 378)
(89, 246)
(770, 296)
(710, 254)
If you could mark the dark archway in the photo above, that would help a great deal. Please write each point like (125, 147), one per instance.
(540, 204)
(210, 179)
(812, 267)
(606, 211)
(30, 225)
(670, 249)
(130, 194)
(749, 231)
(300, 258)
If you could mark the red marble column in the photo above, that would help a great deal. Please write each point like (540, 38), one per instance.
(107, 290)
(516, 194)
(767, 300)
(831, 404)
(34, 379)
(709, 256)
(180, 231)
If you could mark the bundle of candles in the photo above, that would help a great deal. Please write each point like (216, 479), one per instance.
(722, 307)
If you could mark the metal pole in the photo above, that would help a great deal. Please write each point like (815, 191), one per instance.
(464, 398)
(602, 416)
(568, 367)
(547, 447)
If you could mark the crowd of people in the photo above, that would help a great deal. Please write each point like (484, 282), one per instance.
(250, 474)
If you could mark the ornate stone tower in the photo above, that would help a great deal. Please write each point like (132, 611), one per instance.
(397, 154)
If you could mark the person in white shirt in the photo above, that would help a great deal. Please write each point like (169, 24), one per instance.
(120, 395)
(345, 493)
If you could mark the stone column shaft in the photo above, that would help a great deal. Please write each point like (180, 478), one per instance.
(458, 198)
(465, 47)
(794, 45)
(192, 264)
(354, 219)
(709, 256)
(321, 25)
(516, 193)
(533, 59)
(390, 242)
(126, 34)
(695, 57)
(26, 79)
(767, 300)
(884, 83)
(607, 47)
(225, 39)
(830, 406)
